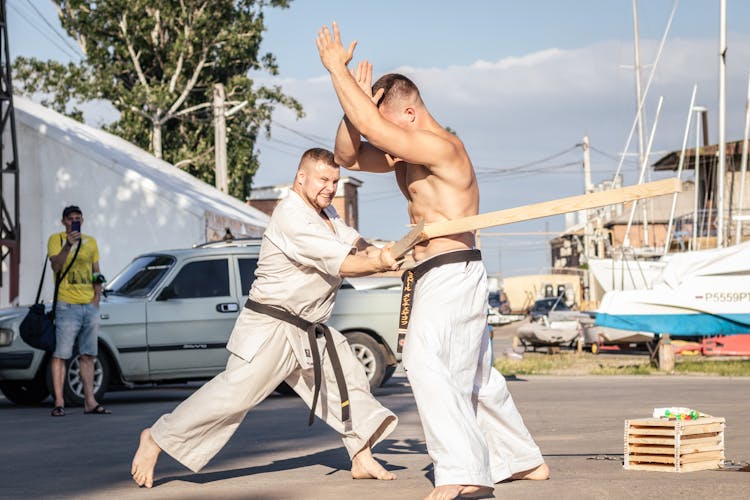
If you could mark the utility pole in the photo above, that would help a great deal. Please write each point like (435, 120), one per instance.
(640, 109)
(220, 134)
(220, 138)
(587, 188)
(722, 122)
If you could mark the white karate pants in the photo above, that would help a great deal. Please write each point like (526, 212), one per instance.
(473, 431)
(202, 424)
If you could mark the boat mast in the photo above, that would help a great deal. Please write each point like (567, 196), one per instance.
(626, 240)
(741, 204)
(679, 169)
(699, 110)
(722, 120)
(639, 108)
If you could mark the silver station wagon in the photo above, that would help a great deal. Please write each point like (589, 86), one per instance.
(167, 316)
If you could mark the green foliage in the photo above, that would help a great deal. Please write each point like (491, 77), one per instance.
(725, 367)
(571, 363)
(157, 61)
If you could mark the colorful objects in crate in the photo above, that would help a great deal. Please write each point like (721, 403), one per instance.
(678, 413)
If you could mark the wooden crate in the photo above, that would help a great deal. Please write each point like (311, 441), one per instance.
(674, 445)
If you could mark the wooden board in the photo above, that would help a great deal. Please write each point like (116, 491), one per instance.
(708, 465)
(536, 211)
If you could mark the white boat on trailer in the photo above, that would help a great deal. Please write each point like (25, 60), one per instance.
(699, 294)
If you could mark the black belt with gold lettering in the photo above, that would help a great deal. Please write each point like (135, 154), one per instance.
(410, 278)
(314, 330)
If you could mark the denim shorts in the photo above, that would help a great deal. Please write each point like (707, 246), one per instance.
(76, 322)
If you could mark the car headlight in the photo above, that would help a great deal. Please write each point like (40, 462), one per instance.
(6, 337)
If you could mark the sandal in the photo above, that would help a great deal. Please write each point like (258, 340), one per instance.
(98, 410)
(58, 411)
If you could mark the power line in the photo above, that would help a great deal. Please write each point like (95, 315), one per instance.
(289, 144)
(278, 150)
(531, 163)
(604, 153)
(53, 42)
(515, 172)
(309, 137)
(54, 30)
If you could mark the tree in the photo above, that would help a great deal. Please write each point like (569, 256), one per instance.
(156, 61)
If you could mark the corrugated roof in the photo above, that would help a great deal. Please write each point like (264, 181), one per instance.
(709, 155)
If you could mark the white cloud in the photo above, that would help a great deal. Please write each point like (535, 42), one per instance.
(520, 109)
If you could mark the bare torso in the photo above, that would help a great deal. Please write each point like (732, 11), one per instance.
(445, 192)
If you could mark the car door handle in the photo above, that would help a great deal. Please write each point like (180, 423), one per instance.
(228, 307)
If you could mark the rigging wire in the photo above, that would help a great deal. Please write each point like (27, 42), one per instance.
(310, 137)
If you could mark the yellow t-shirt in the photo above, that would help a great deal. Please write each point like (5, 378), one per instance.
(76, 287)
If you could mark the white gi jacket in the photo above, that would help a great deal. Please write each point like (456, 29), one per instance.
(298, 270)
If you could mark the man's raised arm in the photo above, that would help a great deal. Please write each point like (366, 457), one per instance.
(349, 151)
(412, 146)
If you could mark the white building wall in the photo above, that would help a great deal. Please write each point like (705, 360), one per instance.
(131, 202)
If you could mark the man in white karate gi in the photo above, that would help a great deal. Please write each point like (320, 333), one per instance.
(473, 431)
(280, 334)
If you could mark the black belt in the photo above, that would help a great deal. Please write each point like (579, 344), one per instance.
(410, 278)
(314, 330)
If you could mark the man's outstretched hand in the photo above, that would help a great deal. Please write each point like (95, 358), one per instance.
(333, 55)
(363, 76)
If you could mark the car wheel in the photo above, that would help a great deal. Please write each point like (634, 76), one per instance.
(367, 350)
(26, 392)
(73, 384)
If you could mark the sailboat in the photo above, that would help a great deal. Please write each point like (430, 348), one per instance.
(699, 293)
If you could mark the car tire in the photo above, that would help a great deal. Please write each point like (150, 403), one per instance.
(389, 371)
(26, 392)
(367, 350)
(72, 383)
(285, 390)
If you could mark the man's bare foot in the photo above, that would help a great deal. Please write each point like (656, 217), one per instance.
(145, 459)
(364, 466)
(451, 491)
(538, 473)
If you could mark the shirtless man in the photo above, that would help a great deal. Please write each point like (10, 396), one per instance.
(473, 431)
(280, 335)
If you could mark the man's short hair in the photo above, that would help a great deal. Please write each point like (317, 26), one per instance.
(318, 155)
(71, 209)
(395, 87)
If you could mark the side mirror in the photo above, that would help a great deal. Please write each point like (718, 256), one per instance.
(167, 293)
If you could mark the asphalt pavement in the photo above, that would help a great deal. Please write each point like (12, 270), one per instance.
(577, 422)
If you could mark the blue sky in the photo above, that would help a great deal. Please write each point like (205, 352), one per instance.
(519, 81)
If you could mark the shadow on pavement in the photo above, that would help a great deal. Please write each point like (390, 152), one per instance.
(336, 459)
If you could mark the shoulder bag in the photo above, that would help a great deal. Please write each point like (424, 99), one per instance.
(38, 328)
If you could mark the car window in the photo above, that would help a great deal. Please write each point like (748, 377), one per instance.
(494, 299)
(207, 278)
(140, 277)
(247, 273)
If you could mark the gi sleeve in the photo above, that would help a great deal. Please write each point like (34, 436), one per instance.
(309, 243)
(345, 233)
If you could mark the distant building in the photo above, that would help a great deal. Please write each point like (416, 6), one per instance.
(708, 166)
(346, 202)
